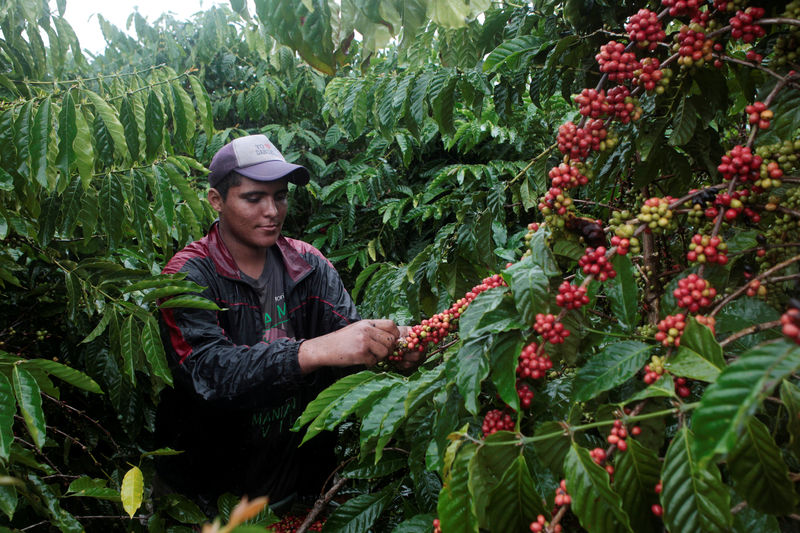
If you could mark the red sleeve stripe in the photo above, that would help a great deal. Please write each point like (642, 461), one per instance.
(234, 304)
(179, 344)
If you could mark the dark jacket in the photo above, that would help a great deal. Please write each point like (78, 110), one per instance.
(236, 396)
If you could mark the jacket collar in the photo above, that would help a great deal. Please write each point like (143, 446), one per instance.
(294, 263)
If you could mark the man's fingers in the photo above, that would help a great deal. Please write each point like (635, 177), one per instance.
(386, 325)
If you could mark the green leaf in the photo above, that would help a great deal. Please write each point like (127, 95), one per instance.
(185, 115)
(369, 469)
(184, 510)
(470, 367)
(8, 407)
(193, 301)
(92, 488)
(693, 497)
(154, 126)
(46, 496)
(171, 284)
(456, 508)
(100, 327)
(759, 474)
(154, 350)
(8, 495)
(129, 347)
(596, 505)
(492, 311)
(325, 399)
(613, 366)
(74, 377)
(504, 359)
(383, 419)
(699, 353)
(127, 116)
(71, 205)
(529, 285)
(514, 502)
(40, 136)
(689, 364)
(112, 123)
(420, 523)
(636, 474)
(683, 123)
(623, 292)
(508, 53)
(790, 396)
(84, 150)
(359, 513)
(29, 401)
(67, 131)
(553, 450)
(730, 401)
(203, 106)
(112, 207)
(132, 490)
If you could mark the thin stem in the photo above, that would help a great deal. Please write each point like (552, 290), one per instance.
(742, 289)
(319, 505)
(755, 328)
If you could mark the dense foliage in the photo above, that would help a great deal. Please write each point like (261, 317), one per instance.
(621, 367)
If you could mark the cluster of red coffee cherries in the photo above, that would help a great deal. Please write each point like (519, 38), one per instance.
(541, 525)
(645, 28)
(755, 288)
(432, 330)
(595, 262)
(656, 509)
(437, 526)
(562, 496)
(757, 113)
(551, 330)
(290, 524)
(623, 244)
(592, 103)
(525, 394)
(496, 420)
(682, 387)
(741, 163)
(692, 46)
(567, 176)
(531, 364)
(650, 75)
(678, 8)
(670, 329)
(616, 62)
(618, 435)
(572, 296)
(694, 293)
(705, 249)
(623, 106)
(742, 26)
(733, 206)
(654, 370)
(578, 142)
(554, 201)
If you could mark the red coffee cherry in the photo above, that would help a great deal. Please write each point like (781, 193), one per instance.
(572, 296)
(592, 103)
(598, 455)
(550, 330)
(681, 388)
(525, 394)
(562, 496)
(790, 321)
(531, 365)
(742, 26)
(670, 329)
(616, 62)
(705, 249)
(758, 114)
(567, 176)
(596, 263)
(678, 8)
(645, 29)
(741, 163)
(692, 46)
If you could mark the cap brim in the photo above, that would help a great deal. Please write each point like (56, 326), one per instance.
(275, 170)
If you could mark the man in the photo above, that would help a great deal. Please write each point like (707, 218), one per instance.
(287, 329)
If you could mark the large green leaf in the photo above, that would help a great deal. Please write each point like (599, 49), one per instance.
(154, 126)
(469, 368)
(492, 311)
(127, 116)
(759, 474)
(325, 399)
(613, 366)
(359, 513)
(699, 355)
(50, 502)
(84, 149)
(552, 451)
(504, 358)
(67, 130)
(420, 523)
(112, 123)
(594, 502)
(76, 378)
(623, 292)
(636, 474)
(92, 488)
(790, 396)
(693, 496)
(203, 106)
(508, 53)
(529, 285)
(29, 401)
(456, 508)
(8, 406)
(39, 139)
(112, 207)
(730, 401)
(154, 350)
(194, 301)
(129, 347)
(382, 420)
(514, 502)
(8, 495)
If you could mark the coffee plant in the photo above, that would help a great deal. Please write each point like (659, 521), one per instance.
(588, 215)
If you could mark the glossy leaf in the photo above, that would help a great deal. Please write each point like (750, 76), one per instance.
(127, 116)
(503, 363)
(623, 292)
(8, 495)
(552, 450)
(325, 399)
(594, 502)
(8, 406)
(112, 207)
(455, 508)
(203, 105)
(693, 496)
(663, 388)
(492, 311)
(636, 474)
(67, 131)
(729, 402)
(469, 368)
(70, 375)
(613, 366)
(759, 473)
(699, 356)
(382, 419)
(112, 123)
(132, 490)
(92, 488)
(359, 513)
(29, 402)
(529, 285)
(129, 347)
(514, 502)
(84, 150)
(154, 126)
(39, 138)
(193, 301)
(790, 396)
(154, 350)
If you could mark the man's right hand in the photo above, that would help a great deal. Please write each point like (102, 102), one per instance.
(361, 343)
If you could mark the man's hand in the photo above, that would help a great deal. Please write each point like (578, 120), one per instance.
(361, 343)
(413, 358)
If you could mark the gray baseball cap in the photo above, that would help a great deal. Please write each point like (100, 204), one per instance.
(254, 157)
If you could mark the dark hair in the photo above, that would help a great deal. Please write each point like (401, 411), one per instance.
(233, 179)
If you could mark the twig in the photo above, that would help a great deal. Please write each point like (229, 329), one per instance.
(760, 277)
(755, 328)
(556, 519)
(738, 507)
(320, 504)
(83, 415)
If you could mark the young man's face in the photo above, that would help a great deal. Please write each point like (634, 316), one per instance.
(253, 212)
